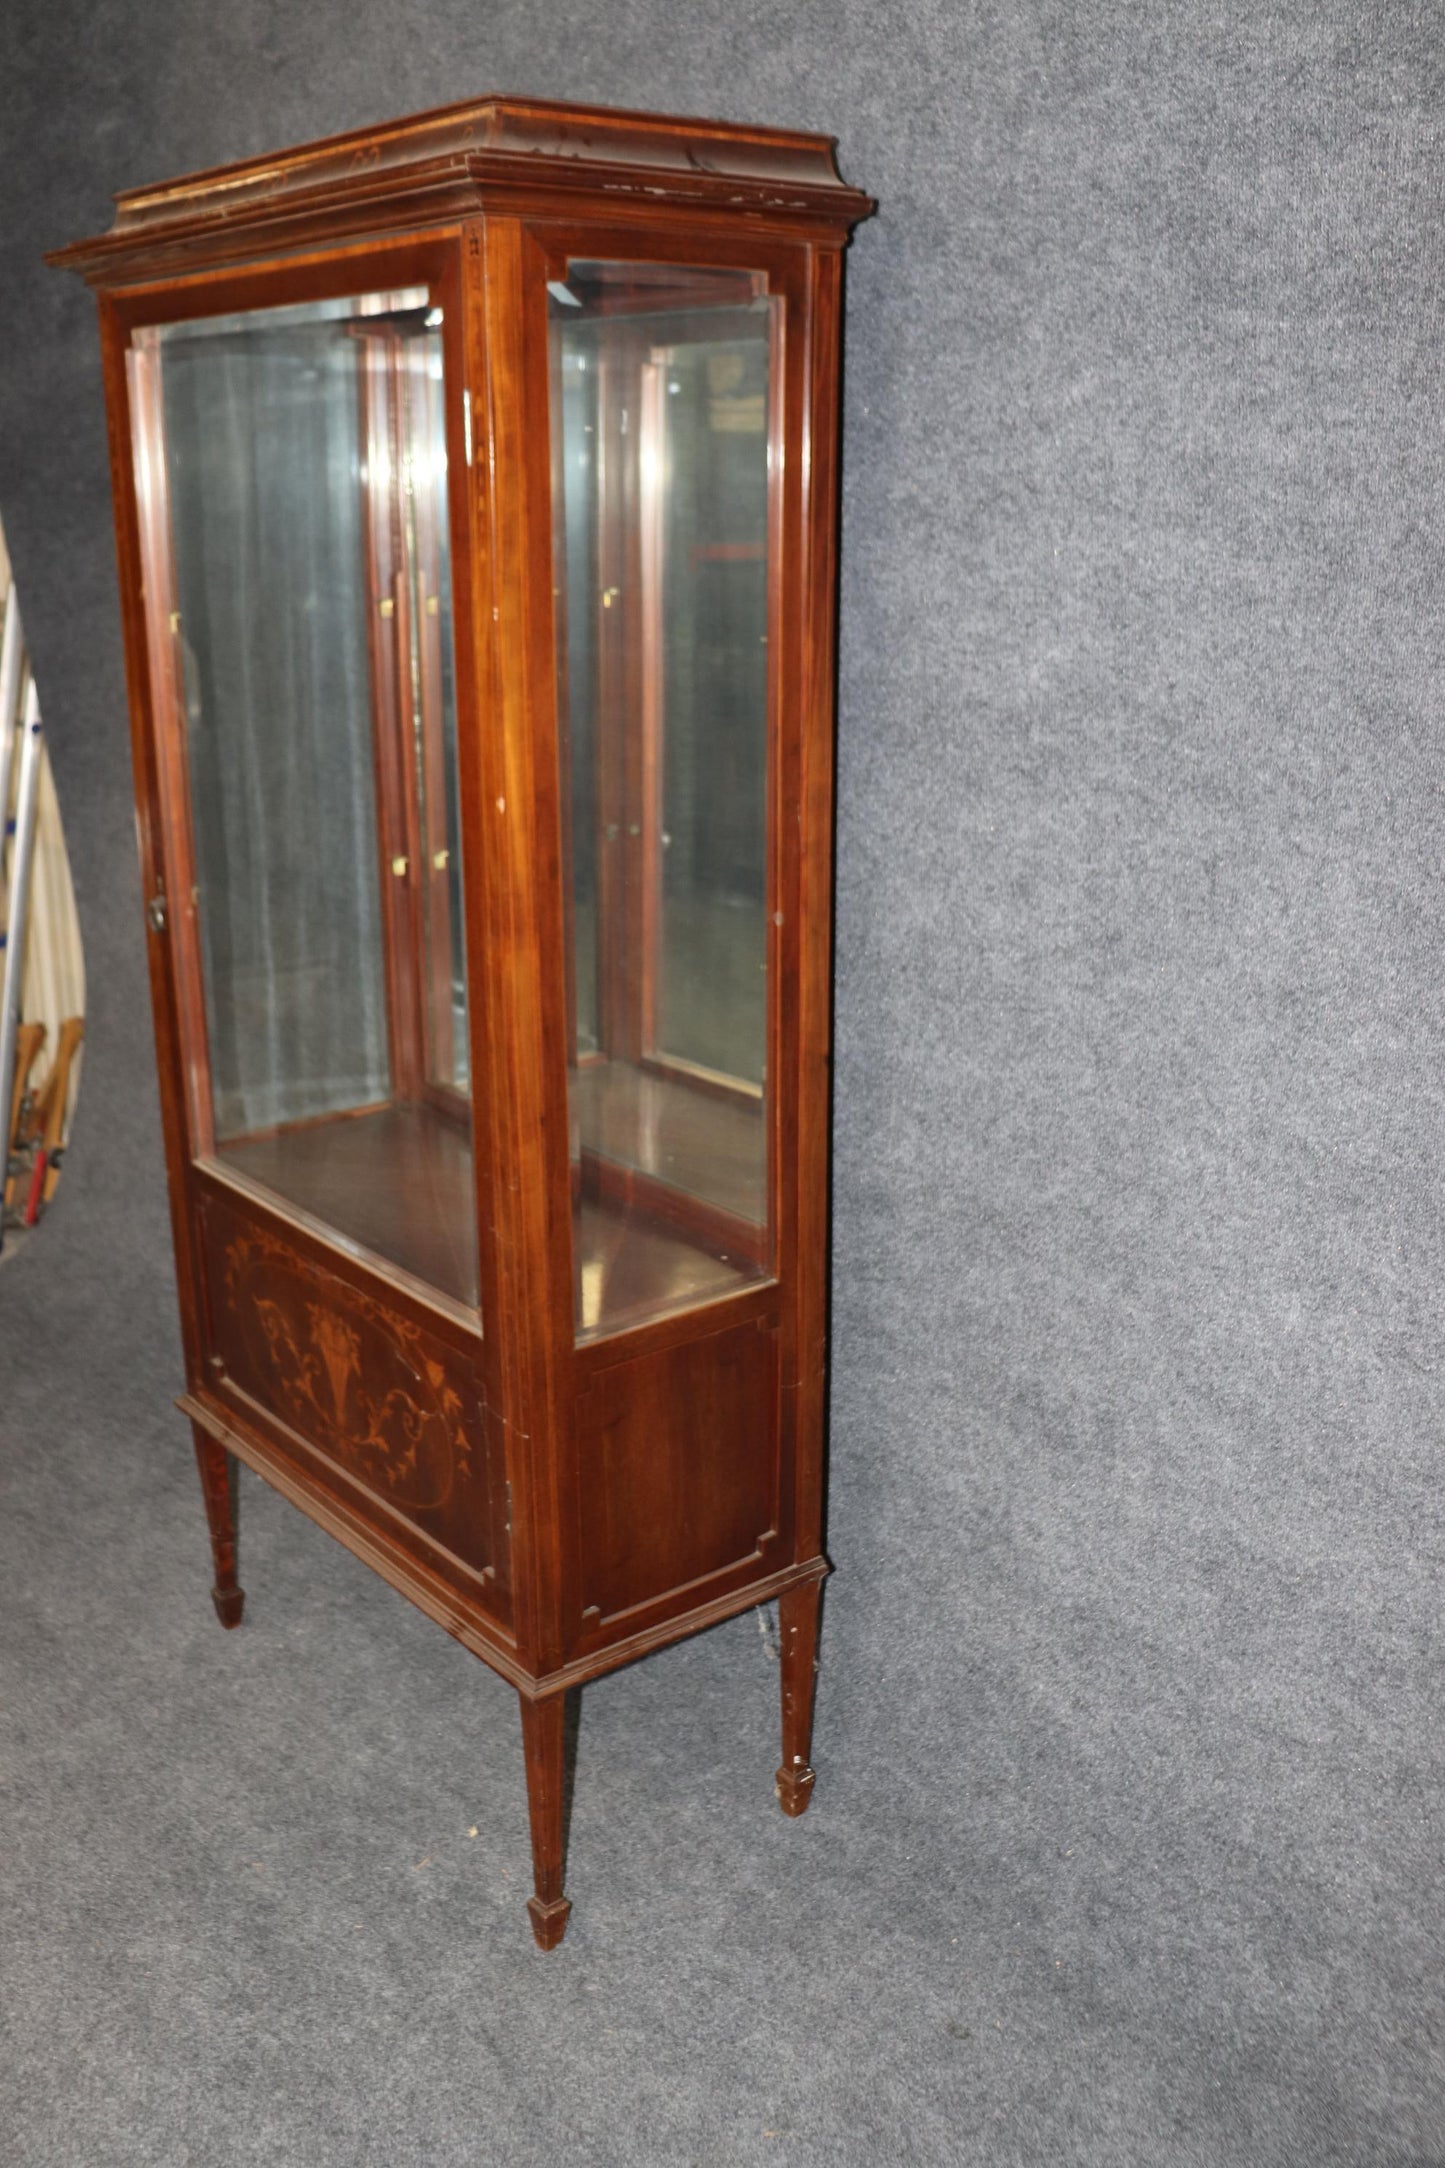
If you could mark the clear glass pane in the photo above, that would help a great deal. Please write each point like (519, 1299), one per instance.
(711, 428)
(303, 499)
(428, 555)
(661, 410)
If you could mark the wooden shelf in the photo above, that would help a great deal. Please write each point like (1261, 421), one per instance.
(398, 1180)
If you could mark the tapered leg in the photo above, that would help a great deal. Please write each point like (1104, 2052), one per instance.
(218, 1487)
(544, 1738)
(798, 1633)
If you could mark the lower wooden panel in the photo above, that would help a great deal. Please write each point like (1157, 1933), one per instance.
(392, 1407)
(678, 1458)
(397, 1564)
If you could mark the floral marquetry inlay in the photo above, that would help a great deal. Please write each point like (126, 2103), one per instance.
(343, 1370)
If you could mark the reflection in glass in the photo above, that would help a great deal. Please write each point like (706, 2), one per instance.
(307, 591)
(661, 396)
(433, 700)
(709, 400)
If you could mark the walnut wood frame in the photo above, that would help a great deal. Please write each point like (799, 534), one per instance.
(560, 1506)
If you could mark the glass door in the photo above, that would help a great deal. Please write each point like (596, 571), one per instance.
(663, 389)
(292, 472)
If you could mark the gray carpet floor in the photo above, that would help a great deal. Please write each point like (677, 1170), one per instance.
(1127, 1845)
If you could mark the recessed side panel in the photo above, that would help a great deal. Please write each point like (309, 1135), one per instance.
(679, 1493)
(393, 1411)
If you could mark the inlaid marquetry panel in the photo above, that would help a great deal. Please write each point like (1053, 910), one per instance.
(393, 1406)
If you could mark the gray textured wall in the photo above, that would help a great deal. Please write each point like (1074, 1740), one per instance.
(1133, 1660)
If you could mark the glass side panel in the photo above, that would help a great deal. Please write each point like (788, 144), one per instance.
(428, 558)
(303, 495)
(662, 391)
(711, 425)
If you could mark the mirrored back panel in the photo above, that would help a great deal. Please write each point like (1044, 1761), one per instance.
(293, 471)
(663, 387)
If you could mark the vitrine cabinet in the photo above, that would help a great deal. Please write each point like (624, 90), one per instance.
(476, 489)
